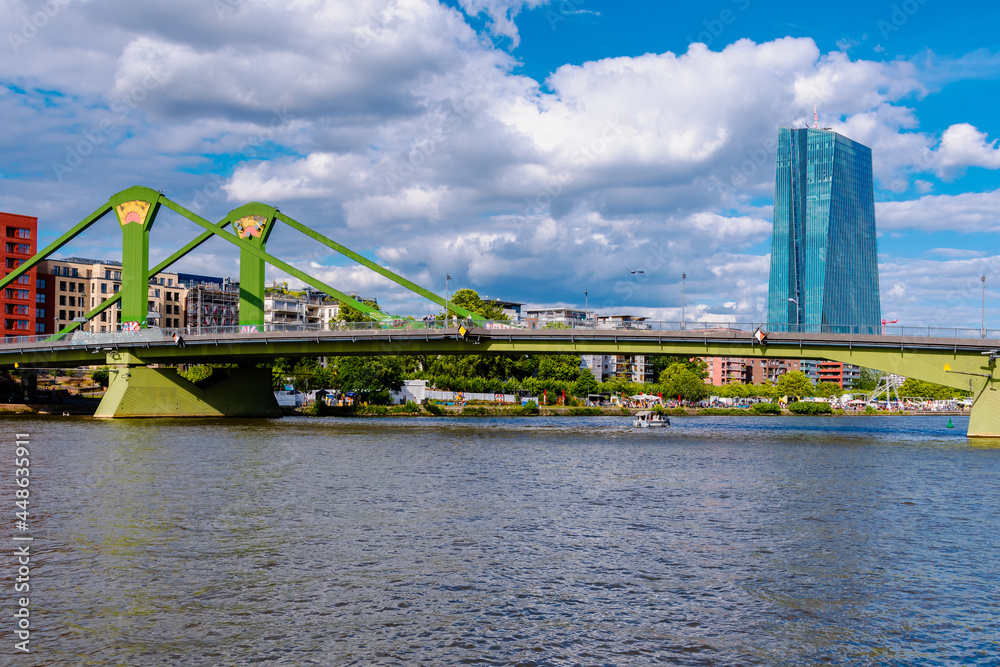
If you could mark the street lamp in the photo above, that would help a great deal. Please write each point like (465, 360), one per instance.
(983, 279)
(683, 279)
(586, 308)
(446, 280)
(796, 302)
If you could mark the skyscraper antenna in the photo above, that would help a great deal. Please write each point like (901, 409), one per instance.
(815, 118)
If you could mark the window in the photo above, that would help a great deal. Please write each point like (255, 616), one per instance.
(62, 314)
(62, 285)
(80, 285)
(62, 299)
(104, 317)
(156, 293)
(17, 294)
(24, 280)
(40, 313)
(72, 301)
(103, 329)
(107, 274)
(116, 288)
(75, 273)
(39, 297)
(41, 283)
(39, 327)
(104, 288)
(72, 287)
(14, 262)
(93, 287)
(118, 275)
(170, 282)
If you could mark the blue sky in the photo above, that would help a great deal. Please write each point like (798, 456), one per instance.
(530, 149)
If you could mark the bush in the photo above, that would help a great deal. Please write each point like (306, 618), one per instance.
(434, 409)
(765, 409)
(810, 408)
(584, 412)
(530, 408)
(721, 412)
(869, 410)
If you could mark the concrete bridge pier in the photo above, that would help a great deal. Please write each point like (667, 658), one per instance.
(136, 390)
(984, 421)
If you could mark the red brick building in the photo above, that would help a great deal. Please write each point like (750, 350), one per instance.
(18, 298)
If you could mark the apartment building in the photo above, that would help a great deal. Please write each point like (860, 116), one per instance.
(20, 307)
(633, 368)
(747, 370)
(79, 285)
(537, 318)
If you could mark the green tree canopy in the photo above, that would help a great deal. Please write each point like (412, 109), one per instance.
(470, 300)
(679, 379)
(914, 388)
(660, 362)
(868, 380)
(564, 367)
(795, 383)
(827, 389)
(377, 375)
(585, 384)
(347, 313)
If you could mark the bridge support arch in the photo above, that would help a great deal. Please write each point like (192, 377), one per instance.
(137, 390)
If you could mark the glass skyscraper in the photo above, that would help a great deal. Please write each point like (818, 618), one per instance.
(824, 264)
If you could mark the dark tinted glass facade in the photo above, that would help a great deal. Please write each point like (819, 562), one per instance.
(823, 247)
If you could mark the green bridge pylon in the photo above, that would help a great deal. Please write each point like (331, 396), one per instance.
(253, 223)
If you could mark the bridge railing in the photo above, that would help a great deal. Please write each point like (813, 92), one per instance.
(154, 334)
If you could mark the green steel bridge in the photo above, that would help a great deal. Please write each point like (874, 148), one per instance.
(144, 385)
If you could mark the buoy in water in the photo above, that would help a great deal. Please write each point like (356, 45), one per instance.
(950, 425)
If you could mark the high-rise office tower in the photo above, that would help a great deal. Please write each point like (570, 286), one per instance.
(824, 263)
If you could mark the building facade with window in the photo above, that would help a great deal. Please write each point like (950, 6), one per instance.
(79, 285)
(824, 254)
(628, 367)
(19, 297)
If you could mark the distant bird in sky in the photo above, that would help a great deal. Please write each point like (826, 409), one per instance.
(633, 272)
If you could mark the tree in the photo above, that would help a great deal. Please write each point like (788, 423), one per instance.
(585, 384)
(660, 362)
(868, 380)
(375, 375)
(563, 367)
(914, 388)
(795, 383)
(828, 389)
(469, 300)
(679, 379)
(347, 313)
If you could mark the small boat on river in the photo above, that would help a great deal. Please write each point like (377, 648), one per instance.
(647, 419)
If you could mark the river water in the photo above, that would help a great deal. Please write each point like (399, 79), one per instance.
(531, 541)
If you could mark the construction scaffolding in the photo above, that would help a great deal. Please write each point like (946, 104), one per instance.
(209, 306)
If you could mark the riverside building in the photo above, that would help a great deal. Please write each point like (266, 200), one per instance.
(824, 269)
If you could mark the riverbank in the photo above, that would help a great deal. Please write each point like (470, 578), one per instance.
(571, 411)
